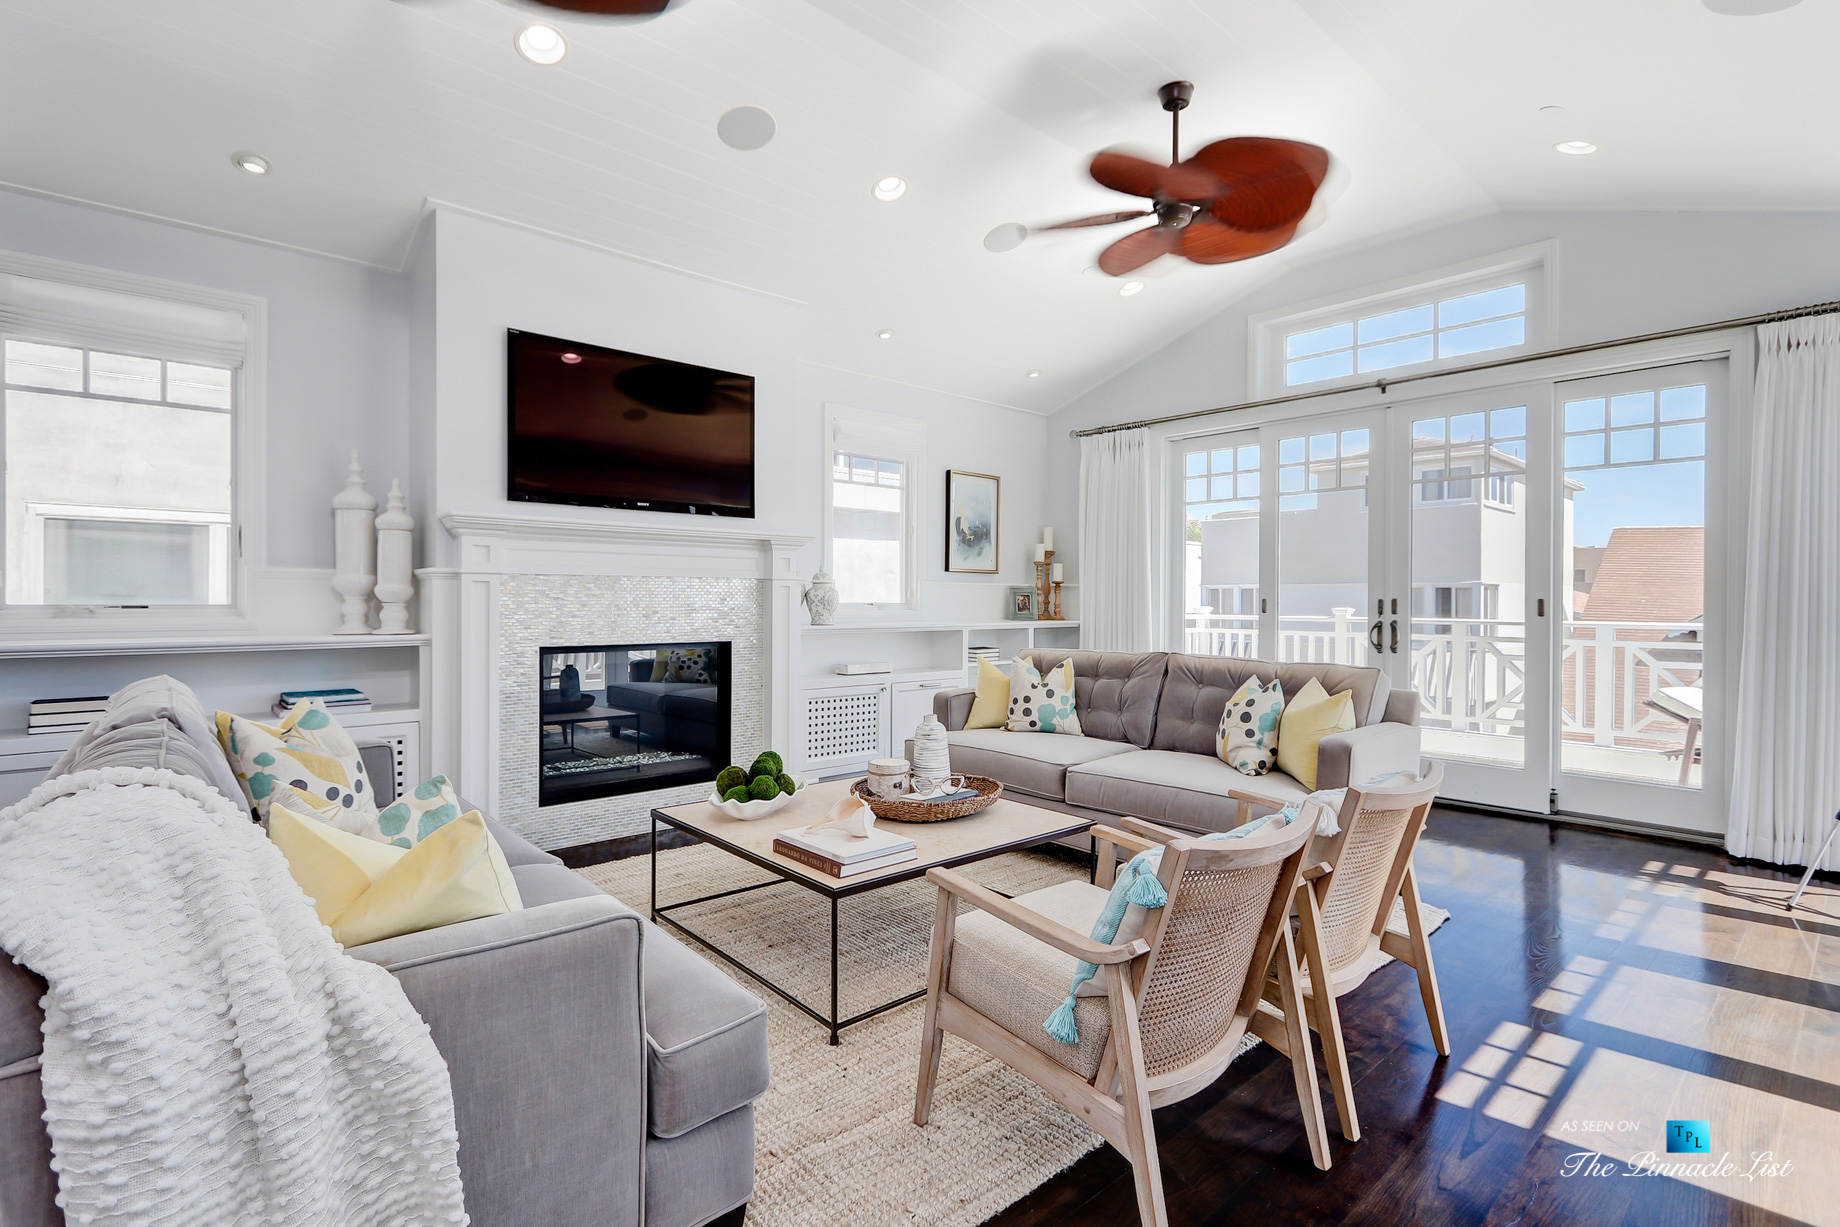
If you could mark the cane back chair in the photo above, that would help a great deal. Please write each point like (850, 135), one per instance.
(1176, 1000)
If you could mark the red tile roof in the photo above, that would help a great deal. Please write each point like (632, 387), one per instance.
(1651, 575)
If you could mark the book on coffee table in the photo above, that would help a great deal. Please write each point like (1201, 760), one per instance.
(841, 855)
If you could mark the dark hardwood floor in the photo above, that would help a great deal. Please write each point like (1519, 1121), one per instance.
(1587, 976)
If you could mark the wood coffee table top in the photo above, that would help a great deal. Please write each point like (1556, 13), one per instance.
(1004, 827)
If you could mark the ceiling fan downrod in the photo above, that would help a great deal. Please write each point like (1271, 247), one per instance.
(1175, 96)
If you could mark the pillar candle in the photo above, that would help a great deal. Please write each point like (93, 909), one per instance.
(1047, 538)
(1057, 573)
(1041, 553)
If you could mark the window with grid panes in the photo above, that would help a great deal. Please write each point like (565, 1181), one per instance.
(118, 478)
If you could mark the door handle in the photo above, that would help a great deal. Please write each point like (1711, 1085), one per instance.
(1374, 636)
(1395, 625)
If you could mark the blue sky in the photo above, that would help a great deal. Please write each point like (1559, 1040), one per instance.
(1647, 496)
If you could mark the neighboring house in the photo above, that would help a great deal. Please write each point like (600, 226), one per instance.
(1643, 577)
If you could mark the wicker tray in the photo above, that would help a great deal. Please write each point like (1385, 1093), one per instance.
(988, 790)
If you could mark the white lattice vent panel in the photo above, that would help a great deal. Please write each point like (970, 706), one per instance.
(843, 726)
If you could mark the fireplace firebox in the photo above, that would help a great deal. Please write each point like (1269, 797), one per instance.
(622, 718)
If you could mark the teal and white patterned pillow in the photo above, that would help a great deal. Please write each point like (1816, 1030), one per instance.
(1041, 703)
(691, 665)
(1247, 739)
(410, 819)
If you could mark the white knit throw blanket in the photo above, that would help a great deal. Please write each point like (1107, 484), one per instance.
(211, 1054)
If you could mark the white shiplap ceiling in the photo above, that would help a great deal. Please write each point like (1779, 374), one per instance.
(989, 108)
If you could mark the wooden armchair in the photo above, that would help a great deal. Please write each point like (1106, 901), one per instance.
(1343, 907)
(1170, 1005)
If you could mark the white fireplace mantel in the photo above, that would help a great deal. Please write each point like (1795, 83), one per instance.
(461, 604)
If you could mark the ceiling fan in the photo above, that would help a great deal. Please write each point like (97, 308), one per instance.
(1234, 199)
(606, 8)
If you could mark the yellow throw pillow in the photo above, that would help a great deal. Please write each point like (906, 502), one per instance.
(367, 891)
(1313, 715)
(661, 666)
(990, 710)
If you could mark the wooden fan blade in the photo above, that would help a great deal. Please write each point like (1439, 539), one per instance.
(1103, 219)
(1268, 183)
(608, 8)
(1137, 249)
(1125, 172)
(1206, 241)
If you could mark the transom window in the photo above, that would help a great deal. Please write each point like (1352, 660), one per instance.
(1448, 328)
(118, 478)
(1443, 318)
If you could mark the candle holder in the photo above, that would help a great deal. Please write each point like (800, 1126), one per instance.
(1055, 614)
(1044, 588)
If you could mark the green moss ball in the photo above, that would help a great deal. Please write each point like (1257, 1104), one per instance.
(738, 793)
(763, 789)
(786, 783)
(772, 762)
(729, 779)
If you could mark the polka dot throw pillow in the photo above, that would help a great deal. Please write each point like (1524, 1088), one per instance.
(307, 751)
(1042, 703)
(1247, 740)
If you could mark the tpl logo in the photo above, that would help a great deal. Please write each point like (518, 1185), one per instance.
(1689, 1137)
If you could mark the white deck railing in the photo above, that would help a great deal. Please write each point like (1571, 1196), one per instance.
(1471, 674)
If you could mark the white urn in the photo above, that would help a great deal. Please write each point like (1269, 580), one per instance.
(395, 565)
(821, 598)
(932, 753)
(354, 551)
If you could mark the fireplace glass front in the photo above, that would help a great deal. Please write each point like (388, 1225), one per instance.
(631, 718)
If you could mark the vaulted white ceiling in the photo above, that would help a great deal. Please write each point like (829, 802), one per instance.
(989, 109)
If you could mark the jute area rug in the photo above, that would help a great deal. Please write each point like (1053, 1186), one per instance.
(835, 1139)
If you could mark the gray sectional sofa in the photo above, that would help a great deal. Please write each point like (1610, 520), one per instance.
(1147, 750)
(602, 1073)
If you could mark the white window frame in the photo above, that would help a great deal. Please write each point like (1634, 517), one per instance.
(246, 529)
(1535, 266)
(885, 436)
(219, 524)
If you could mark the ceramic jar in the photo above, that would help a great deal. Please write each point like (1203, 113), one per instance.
(821, 598)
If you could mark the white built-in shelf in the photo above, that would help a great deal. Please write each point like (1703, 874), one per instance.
(1019, 624)
(18, 741)
(19, 649)
(897, 676)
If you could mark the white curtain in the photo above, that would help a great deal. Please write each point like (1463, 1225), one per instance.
(1115, 542)
(1786, 777)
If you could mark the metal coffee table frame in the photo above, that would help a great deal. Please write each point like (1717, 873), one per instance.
(844, 889)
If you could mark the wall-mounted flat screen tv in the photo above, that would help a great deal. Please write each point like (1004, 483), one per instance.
(599, 427)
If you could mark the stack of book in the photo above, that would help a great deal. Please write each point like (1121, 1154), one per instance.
(341, 699)
(63, 715)
(979, 652)
(841, 855)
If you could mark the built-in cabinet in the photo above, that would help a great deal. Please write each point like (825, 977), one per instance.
(241, 676)
(848, 720)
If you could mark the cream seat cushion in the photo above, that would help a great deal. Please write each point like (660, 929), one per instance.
(1016, 981)
(1032, 763)
(1173, 788)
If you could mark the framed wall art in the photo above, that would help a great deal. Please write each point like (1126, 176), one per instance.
(973, 510)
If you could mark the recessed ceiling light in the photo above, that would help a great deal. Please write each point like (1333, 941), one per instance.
(571, 359)
(1034, 374)
(251, 163)
(891, 188)
(1129, 288)
(1576, 148)
(886, 334)
(541, 44)
(1749, 8)
(1006, 237)
(746, 128)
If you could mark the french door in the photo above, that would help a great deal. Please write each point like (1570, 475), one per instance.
(1530, 559)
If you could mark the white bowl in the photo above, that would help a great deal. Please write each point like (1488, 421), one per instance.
(748, 811)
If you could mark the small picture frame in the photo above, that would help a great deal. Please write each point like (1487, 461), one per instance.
(1021, 604)
(973, 509)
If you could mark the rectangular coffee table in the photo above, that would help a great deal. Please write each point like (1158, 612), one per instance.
(1007, 826)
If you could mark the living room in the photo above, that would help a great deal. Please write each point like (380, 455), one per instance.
(853, 634)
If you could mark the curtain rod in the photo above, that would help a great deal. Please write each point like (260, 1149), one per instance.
(1381, 385)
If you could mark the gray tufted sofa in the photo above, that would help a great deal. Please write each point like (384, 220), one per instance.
(602, 1073)
(1147, 750)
